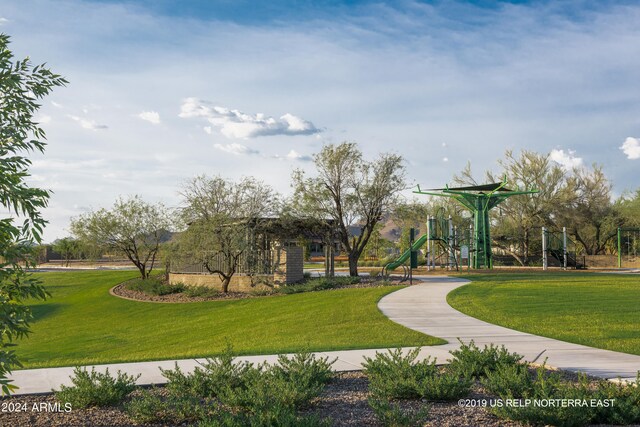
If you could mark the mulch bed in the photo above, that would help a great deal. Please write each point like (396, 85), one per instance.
(122, 291)
(344, 400)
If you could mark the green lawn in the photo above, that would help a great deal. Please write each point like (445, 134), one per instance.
(83, 324)
(598, 310)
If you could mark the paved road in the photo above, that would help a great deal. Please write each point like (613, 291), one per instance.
(424, 308)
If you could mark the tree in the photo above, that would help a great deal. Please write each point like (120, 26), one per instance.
(350, 191)
(132, 227)
(628, 209)
(591, 217)
(21, 87)
(67, 248)
(220, 216)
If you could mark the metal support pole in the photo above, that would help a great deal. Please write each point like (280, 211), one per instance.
(544, 249)
(412, 235)
(452, 254)
(619, 247)
(428, 254)
(565, 253)
(470, 246)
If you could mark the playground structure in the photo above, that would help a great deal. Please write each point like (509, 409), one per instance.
(474, 246)
(560, 247)
(629, 239)
(479, 199)
(447, 246)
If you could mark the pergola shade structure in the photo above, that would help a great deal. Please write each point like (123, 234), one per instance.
(479, 199)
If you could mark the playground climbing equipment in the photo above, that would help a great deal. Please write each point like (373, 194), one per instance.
(479, 199)
(557, 245)
(446, 245)
(628, 245)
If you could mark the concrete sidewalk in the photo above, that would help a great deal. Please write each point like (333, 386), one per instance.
(44, 380)
(424, 308)
(421, 307)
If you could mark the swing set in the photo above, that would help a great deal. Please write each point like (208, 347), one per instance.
(628, 244)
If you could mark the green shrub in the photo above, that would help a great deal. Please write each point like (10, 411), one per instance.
(148, 407)
(471, 362)
(95, 388)
(292, 383)
(508, 378)
(546, 387)
(263, 392)
(395, 375)
(392, 415)
(208, 381)
(201, 292)
(444, 386)
(305, 368)
(154, 286)
(261, 292)
(626, 406)
(318, 284)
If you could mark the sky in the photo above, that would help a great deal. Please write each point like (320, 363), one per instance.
(161, 91)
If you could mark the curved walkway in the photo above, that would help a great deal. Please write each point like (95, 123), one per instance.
(424, 308)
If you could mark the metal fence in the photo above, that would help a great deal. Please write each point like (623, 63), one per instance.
(254, 262)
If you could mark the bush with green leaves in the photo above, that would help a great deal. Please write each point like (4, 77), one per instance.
(391, 414)
(472, 362)
(154, 286)
(92, 388)
(508, 378)
(291, 383)
(546, 387)
(318, 284)
(252, 393)
(626, 407)
(201, 292)
(445, 385)
(399, 375)
(217, 373)
(148, 406)
(623, 399)
(396, 375)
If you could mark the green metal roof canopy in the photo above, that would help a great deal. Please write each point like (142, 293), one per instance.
(479, 199)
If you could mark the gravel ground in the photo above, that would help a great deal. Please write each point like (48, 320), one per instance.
(344, 400)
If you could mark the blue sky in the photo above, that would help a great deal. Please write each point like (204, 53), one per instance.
(162, 90)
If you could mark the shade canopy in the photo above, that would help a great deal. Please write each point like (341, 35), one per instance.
(494, 186)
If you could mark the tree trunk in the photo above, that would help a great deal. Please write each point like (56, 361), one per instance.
(143, 271)
(353, 264)
(225, 284)
(525, 248)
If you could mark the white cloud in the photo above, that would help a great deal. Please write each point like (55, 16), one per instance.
(236, 124)
(566, 160)
(3, 21)
(87, 124)
(57, 105)
(237, 149)
(631, 148)
(445, 159)
(208, 130)
(294, 155)
(150, 116)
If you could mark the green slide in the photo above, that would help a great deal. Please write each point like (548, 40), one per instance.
(405, 256)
